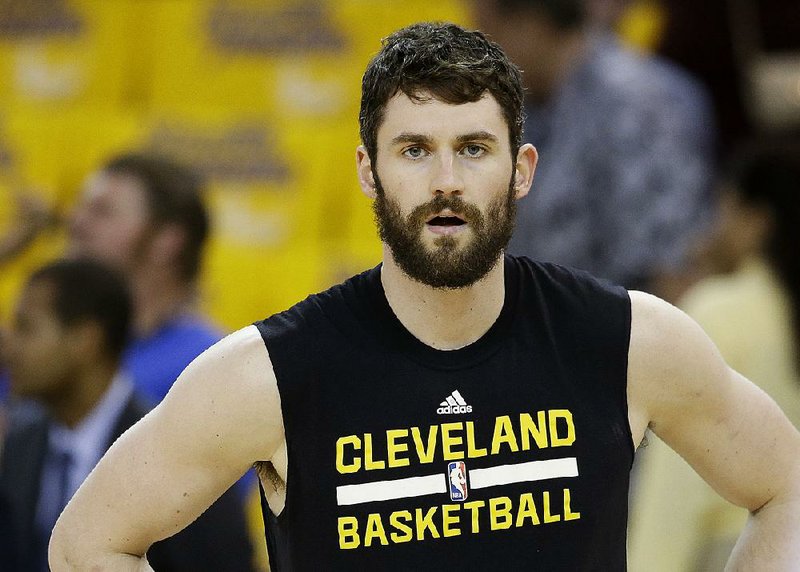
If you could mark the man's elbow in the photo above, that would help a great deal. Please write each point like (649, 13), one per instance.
(67, 550)
(786, 497)
(75, 548)
(58, 551)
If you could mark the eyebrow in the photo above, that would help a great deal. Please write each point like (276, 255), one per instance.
(408, 137)
(477, 136)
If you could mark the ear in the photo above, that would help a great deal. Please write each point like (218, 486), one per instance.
(365, 176)
(527, 158)
(166, 243)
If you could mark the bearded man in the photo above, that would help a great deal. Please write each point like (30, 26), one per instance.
(535, 381)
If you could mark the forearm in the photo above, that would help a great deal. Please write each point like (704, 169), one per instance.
(771, 539)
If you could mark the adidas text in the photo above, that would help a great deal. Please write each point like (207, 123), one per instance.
(454, 409)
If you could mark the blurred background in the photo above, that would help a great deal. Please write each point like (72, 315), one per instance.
(261, 98)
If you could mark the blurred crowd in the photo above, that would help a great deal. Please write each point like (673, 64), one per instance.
(171, 171)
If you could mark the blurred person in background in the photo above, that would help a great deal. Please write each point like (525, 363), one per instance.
(64, 350)
(605, 14)
(752, 311)
(145, 216)
(626, 144)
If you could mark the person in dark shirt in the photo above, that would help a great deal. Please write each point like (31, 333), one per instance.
(63, 350)
(585, 368)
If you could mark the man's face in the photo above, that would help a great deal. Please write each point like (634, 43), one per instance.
(445, 199)
(110, 222)
(38, 347)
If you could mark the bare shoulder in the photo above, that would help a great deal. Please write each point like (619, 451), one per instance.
(238, 362)
(231, 387)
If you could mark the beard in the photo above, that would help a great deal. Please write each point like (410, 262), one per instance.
(445, 266)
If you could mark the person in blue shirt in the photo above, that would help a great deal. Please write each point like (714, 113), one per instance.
(144, 215)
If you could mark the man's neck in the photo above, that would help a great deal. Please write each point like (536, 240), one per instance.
(444, 319)
(157, 299)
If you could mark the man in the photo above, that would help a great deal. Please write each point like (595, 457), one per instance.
(145, 216)
(448, 352)
(626, 142)
(69, 330)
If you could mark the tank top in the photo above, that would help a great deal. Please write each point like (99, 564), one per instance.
(511, 453)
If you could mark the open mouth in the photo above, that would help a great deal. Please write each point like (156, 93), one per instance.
(445, 224)
(446, 221)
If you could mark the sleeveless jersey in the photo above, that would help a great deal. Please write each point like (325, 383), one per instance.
(511, 453)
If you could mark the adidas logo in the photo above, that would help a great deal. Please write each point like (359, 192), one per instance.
(454, 404)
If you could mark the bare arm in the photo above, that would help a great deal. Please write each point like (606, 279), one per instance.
(729, 430)
(221, 415)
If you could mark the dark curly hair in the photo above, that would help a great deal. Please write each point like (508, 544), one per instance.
(446, 61)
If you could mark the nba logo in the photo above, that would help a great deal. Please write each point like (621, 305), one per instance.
(457, 476)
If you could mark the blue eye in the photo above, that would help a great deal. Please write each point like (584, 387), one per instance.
(414, 152)
(474, 150)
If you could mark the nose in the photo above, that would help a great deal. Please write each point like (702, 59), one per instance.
(447, 179)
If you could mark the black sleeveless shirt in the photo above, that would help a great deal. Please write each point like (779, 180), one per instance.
(512, 453)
